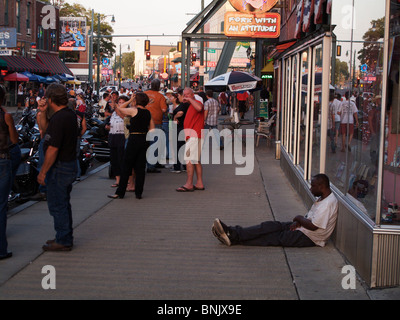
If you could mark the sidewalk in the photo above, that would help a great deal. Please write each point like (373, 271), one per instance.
(162, 248)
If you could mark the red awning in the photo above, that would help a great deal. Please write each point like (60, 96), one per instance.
(22, 64)
(54, 63)
(281, 48)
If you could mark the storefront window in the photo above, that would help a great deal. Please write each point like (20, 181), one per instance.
(294, 107)
(316, 102)
(352, 164)
(391, 170)
(303, 108)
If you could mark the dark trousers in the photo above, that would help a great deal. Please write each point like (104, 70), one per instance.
(59, 186)
(135, 158)
(271, 233)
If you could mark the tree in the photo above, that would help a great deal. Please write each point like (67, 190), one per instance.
(371, 51)
(341, 72)
(128, 64)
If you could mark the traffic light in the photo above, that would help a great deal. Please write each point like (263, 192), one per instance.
(147, 45)
(148, 55)
(119, 74)
(194, 57)
(339, 51)
(179, 46)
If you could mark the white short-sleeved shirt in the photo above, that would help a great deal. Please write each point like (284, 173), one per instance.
(323, 214)
(348, 112)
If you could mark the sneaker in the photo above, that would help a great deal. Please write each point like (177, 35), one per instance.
(175, 171)
(220, 230)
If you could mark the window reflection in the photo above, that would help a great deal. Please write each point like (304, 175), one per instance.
(391, 177)
(303, 108)
(316, 101)
(353, 151)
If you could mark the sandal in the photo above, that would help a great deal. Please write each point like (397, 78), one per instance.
(115, 185)
(184, 189)
(199, 189)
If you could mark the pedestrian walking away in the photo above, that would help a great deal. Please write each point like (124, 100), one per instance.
(314, 229)
(135, 155)
(59, 167)
(8, 138)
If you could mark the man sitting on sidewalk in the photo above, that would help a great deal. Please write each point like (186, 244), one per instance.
(312, 230)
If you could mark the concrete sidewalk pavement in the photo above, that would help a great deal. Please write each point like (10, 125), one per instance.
(161, 247)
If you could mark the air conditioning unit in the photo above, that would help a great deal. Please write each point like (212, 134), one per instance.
(28, 31)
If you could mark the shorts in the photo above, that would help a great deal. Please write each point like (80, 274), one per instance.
(343, 128)
(242, 106)
(193, 148)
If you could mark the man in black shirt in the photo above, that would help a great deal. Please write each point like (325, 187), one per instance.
(179, 116)
(60, 167)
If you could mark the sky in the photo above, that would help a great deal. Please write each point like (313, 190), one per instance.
(146, 17)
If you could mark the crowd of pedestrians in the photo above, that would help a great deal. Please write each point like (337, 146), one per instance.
(132, 116)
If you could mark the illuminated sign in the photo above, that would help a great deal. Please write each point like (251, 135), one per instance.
(261, 25)
(253, 6)
(253, 19)
(73, 34)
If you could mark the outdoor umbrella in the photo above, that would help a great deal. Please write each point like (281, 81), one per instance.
(16, 77)
(68, 76)
(235, 81)
(31, 76)
(60, 77)
(50, 80)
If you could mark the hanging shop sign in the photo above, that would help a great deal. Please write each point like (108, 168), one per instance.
(252, 19)
(260, 25)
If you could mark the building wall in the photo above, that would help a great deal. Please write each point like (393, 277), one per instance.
(24, 38)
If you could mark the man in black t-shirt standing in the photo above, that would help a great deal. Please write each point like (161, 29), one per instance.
(59, 169)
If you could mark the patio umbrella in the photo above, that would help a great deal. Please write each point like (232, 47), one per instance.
(50, 80)
(75, 82)
(31, 76)
(16, 77)
(60, 77)
(68, 76)
(235, 81)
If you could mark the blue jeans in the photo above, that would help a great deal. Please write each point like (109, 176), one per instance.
(5, 187)
(15, 154)
(42, 189)
(59, 186)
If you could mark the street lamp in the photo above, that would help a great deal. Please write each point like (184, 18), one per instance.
(98, 46)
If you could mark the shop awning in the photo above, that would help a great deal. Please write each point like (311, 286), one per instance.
(54, 63)
(21, 64)
(268, 68)
(281, 47)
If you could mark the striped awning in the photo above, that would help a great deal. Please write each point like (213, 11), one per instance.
(22, 64)
(54, 63)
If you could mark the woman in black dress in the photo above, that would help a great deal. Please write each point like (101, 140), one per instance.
(135, 153)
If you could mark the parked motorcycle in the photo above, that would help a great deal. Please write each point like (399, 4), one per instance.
(97, 135)
(86, 156)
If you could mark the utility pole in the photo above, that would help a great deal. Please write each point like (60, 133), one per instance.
(202, 50)
(98, 55)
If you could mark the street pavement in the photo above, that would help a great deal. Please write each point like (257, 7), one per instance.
(162, 248)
